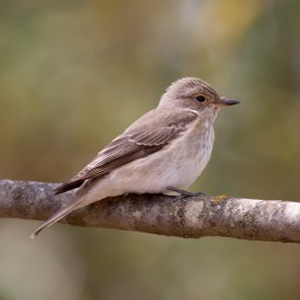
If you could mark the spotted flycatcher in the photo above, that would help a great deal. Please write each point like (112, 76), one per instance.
(164, 150)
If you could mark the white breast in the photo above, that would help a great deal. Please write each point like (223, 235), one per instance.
(176, 165)
(196, 153)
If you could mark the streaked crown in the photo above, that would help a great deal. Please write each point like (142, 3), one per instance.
(193, 93)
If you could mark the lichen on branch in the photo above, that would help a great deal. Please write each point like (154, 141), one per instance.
(189, 217)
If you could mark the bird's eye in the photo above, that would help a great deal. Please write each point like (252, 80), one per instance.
(200, 98)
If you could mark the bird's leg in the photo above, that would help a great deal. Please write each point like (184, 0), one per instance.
(184, 193)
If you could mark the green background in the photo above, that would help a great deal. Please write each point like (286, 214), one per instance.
(74, 74)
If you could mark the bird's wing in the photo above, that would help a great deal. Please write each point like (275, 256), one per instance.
(147, 135)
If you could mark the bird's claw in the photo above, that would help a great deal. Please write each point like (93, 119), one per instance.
(184, 193)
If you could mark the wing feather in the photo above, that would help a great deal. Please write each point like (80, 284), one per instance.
(135, 143)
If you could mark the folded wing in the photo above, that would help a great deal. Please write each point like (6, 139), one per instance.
(146, 136)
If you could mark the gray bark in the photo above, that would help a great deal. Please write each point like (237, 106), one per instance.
(192, 217)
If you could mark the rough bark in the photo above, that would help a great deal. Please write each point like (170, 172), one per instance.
(192, 217)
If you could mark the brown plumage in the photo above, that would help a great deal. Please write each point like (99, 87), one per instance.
(136, 142)
(165, 149)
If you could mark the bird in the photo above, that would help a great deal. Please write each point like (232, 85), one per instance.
(165, 150)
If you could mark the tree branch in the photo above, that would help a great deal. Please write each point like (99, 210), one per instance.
(193, 217)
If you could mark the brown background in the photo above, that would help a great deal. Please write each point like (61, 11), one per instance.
(74, 74)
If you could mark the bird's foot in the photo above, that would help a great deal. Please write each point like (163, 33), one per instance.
(184, 193)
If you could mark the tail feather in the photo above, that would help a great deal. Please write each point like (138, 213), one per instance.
(79, 196)
(56, 217)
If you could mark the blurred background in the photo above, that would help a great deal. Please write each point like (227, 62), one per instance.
(74, 74)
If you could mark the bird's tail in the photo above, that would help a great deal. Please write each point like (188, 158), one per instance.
(80, 198)
(56, 217)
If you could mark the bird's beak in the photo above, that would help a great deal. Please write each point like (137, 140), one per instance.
(227, 102)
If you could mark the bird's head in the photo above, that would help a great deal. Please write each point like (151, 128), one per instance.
(195, 94)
